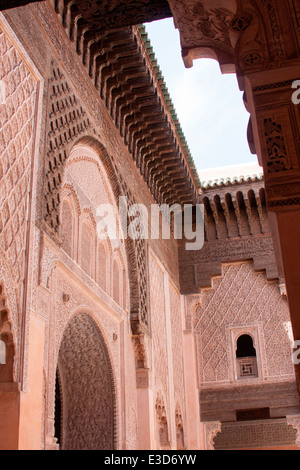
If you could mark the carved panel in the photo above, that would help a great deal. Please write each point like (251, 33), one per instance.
(158, 323)
(116, 282)
(179, 429)
(6, 4)
(17, 117)
(268, 433)
(67, 229)
(177, 344)
(201, 25)
(67, 122)
(102, 266)
(248, 247)
(278, 158)
(86, 252)
(162, 422)
(18, 125)
(197, 268)
(211, 430)
(271, 12)
(87, 388)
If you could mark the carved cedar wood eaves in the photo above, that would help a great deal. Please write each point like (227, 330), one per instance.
(122, 73)
(105, 14)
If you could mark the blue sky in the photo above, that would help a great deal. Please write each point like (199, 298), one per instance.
(209, 105)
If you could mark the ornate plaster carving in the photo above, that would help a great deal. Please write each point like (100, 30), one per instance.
(211, 430)
(205, 29)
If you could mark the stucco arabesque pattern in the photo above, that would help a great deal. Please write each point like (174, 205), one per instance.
(198, 23)
(261, 304)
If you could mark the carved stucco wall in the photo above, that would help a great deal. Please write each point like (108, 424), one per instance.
(242, 299)
(71, 288)
(167, 356)
(159, 346)
(18, 99)
(16, 140)
(259, 434)
(177, 346)
(158, 323)
(85, 188)
(69, 121)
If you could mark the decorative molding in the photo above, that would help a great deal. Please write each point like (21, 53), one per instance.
(283, 190)
(284, 202)
(278, 159)
(141, 356)
(211, 25)
(179, 429)
(162, 423)
(274, 86)
(271, 12)
(108, 14)
(233, 250)
(142, 379)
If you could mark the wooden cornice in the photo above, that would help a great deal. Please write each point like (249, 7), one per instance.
(122, 67)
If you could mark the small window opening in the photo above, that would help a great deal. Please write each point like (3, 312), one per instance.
(246, 358)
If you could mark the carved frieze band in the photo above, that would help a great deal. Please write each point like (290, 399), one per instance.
(229, 250)
(198, 269)
(268, 433)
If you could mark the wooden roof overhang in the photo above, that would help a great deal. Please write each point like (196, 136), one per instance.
(122, 67)
(121, 64)
(107, 13)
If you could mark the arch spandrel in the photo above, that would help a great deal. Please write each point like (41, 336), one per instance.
(88, 150)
